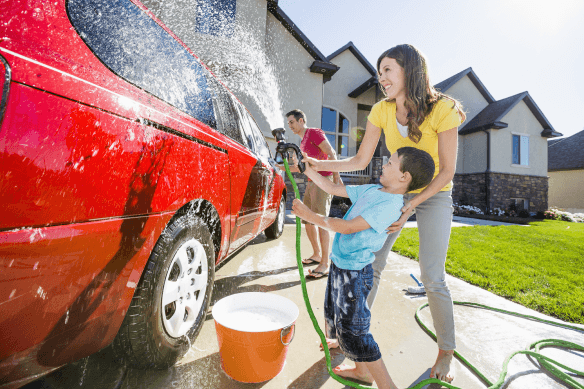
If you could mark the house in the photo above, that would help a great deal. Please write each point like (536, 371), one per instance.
(566, 173)
(502, 148)
(272, 67)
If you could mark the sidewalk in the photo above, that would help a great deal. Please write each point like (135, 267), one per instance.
(483, 337)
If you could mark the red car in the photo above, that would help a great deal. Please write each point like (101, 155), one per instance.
(127, 173)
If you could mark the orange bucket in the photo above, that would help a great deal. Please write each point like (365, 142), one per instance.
(254, 331)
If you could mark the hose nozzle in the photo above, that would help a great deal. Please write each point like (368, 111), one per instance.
(283, 148)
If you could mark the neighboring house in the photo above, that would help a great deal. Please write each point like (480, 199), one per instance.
(566, 173)
(502, 151)
(272, 67)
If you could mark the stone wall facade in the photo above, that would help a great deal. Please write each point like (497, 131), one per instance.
(470, 189)
(505, 187)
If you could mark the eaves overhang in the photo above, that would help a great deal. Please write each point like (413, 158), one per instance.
(497, 125)
(550, 133)
(327, 69)
(370, 83)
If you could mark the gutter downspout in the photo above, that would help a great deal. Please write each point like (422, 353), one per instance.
(488, 174)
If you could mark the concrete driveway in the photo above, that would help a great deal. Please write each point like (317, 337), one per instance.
(483, 337)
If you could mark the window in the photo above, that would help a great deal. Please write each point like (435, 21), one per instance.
(227, 119)
(216, 17)
(138, 50)
(520, 150)
(253, 135)
(519, 205)
(336, 129)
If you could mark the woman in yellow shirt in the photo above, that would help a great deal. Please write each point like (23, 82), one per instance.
(415, 114)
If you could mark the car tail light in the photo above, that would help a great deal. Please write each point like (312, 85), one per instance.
(4, 86)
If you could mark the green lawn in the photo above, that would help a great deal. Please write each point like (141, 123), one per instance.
(540, 266)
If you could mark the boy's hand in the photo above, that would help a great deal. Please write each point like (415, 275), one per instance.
(407, 210)
(299, 209)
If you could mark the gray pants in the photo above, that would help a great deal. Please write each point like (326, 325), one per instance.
(434, 217)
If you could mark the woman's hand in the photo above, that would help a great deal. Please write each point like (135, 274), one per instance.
(309, 161)
(407, 210)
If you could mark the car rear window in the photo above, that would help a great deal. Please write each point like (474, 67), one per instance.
(138, 50)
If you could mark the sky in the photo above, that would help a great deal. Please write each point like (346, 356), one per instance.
(513, 46)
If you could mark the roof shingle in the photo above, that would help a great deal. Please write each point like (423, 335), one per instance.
(567, 153)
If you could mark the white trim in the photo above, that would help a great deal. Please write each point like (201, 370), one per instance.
(337, 120)
(522, 166)
(337, 133)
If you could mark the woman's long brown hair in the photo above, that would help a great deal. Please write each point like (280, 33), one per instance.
(420, 94)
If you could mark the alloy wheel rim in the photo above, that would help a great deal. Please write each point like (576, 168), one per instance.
(281, 213)
(184, 288)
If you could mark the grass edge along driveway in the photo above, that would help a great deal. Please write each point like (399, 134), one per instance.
(540, 267)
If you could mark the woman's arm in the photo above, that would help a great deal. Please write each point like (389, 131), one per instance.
(333, 188)
(447, 150)
(359, 161)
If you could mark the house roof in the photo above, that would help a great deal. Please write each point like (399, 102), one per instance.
(321, 64)
(360, 57)
(364, 87)
(441, 86)
(449, 82)
(493, 114)
(295, 31)
(566, 153)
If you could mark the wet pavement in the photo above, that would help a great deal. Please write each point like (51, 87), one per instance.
(484, 338)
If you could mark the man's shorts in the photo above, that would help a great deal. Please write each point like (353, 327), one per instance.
(347, 316)
(317, 199)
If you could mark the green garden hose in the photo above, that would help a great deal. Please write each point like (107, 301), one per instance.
(544, 361)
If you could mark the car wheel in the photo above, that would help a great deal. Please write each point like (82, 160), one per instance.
(274, 231)
(171, 301)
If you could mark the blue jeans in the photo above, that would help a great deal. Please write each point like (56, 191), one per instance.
(347, 316)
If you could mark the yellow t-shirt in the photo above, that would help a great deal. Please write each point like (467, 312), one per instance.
(442, 118)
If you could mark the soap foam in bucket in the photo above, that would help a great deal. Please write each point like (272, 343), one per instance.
(254, 331)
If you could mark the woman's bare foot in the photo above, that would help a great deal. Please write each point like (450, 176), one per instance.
(441, 368)
(353, 372)
(331, 343)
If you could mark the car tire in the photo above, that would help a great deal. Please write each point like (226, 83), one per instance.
(274, 231)
(171, 301)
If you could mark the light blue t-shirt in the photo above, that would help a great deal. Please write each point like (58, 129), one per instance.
(380, 210)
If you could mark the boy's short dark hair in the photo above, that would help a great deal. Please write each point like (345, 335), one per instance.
(298, 114)
(419, 164)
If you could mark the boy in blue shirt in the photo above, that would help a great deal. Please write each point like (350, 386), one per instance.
(359, 235)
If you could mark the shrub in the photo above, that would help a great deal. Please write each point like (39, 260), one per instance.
(523, 213)
(556, 214)
(540, 215)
